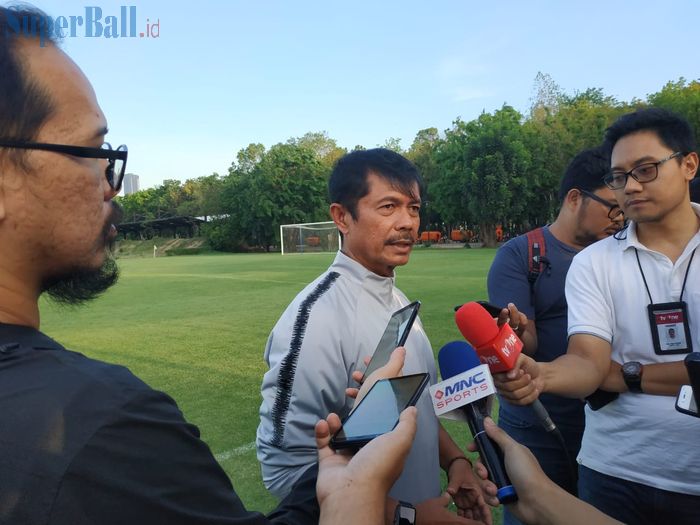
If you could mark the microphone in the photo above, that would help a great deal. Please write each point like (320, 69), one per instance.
(498, 348)
(463, 394)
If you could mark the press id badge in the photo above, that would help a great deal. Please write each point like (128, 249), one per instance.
(669, 328)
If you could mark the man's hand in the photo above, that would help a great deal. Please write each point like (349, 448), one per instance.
(434, 512)
(521, 385)
(466, 490)
(521, 325)
(392, 369)
(518, 321)
(353, 488)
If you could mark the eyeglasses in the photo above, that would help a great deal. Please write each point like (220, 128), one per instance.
(614, 210)
(646, 172)
(116, 165)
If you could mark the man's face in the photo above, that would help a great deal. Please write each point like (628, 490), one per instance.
(651, 201)
(594, 223)
(59, 213)
(386, 227)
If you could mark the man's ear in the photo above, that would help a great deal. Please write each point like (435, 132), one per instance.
(574, 198)
(690, 165)
(341, 217)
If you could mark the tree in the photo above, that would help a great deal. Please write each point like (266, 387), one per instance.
(248, 158)
(483, 167)
(288, 185)
(682, 98)
(325, 148)
(394, 144)
(423, 154)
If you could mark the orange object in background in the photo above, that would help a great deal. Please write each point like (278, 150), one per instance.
(457, 235)
(430, 236)
(313, 240)
(499, 232)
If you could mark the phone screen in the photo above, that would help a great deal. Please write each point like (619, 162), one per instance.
(394, 335)
(378, 412)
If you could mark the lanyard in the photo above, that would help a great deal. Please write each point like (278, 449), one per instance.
(685, 279)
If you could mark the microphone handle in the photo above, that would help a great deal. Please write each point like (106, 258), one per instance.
(491, 455)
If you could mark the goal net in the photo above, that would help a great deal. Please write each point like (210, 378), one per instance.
(311, 237)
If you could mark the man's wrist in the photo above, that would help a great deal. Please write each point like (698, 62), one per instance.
(455, 459)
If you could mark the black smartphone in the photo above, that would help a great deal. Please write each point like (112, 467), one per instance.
(378, 412)
(492, 309)
(394, 335)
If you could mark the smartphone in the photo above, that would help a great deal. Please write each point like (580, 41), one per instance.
(686, 403)
(394, 335)
(378, 412)
(492, 309)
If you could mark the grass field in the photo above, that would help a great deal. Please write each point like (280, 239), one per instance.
(195, 327)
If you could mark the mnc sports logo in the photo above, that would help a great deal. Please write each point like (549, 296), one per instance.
(461, 389)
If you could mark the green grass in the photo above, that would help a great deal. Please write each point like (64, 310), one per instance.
(195, 327)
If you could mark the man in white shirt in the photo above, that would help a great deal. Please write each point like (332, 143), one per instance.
(638, 460)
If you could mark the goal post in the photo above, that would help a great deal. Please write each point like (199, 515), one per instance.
(310, 237)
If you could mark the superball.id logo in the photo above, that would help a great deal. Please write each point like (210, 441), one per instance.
(92, 23)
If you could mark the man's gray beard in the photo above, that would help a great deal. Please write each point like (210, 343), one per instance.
(82, 285)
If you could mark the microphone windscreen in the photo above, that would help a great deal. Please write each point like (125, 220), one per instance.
(476, 324)
(457, 357)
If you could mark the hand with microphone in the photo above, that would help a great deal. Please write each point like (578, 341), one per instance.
(500, 348)
(463, 395)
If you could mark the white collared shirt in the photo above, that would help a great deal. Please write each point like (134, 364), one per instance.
(638, 437)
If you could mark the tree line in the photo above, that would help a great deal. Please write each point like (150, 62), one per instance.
(500, 168)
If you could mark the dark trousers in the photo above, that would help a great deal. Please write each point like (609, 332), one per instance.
(636, 504)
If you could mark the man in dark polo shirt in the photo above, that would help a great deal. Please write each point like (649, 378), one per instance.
(588, 213)
(81, 441)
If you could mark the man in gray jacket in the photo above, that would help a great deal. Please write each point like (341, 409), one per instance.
(337, 321)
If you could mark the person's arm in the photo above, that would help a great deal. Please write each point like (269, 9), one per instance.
(576, 374)
(507, 283)
(662, 379)
(146, 464)
(540, 500)
(464, 487)
(353, 489)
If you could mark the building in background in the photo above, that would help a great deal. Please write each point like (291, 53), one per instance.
(131, 183)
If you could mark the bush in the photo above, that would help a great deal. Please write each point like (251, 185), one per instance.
(185, 251)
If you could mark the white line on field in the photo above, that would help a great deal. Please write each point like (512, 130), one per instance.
(238, 451)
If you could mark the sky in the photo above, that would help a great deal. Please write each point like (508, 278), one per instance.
(223, 74)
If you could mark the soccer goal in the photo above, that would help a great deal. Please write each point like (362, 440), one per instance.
(311, 237)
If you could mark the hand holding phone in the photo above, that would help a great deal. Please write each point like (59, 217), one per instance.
(378, 412)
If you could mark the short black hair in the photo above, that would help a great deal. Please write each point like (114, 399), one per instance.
(24, 105)
(348, 182)
(673, 131)
(585, 171)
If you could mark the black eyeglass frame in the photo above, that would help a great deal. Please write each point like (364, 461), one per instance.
(611, 207)
(610, 177)
(111, 155)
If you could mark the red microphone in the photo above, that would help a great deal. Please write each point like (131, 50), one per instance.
(498, 348)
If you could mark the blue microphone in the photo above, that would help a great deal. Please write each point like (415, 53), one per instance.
(456, 358)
